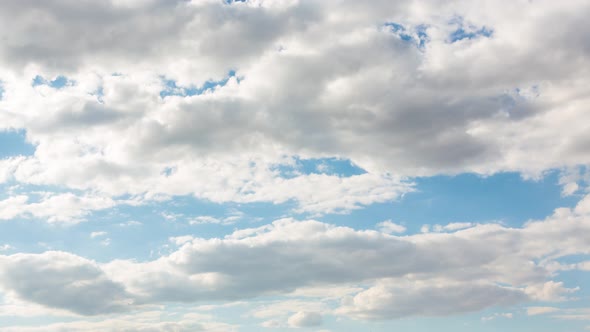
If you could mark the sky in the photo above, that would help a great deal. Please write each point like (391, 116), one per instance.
(295, 165)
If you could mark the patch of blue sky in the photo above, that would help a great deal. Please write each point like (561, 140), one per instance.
(99, 94)
(2, 90)
(461, 34)
(575, 278)
(14, 143)
(416, 35)
(572, 279)
(172, 89)
(139, 232)
(329, 166)
(504, 197)
(56, 83)
(468, 31)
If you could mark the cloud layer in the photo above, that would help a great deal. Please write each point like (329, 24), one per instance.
(207, 98)
(422, 275)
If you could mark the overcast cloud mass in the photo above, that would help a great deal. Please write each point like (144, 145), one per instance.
(225, 165)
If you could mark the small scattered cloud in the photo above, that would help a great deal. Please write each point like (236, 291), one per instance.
(390, 227)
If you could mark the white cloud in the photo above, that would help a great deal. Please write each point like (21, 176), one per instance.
(98, 234)
(495, 110)
(533, 311)
(130, 223)
(514, 266)
(5, 247)
(228, 220)
(64, 281)
(54, 207)
(305, 319)
(398, 298)
(508, 315)
(452, 226)
(390, 227)
(312, 80)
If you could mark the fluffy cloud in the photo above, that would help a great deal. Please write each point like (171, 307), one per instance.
(156, 99)
(423, 274)
(305, 319)
(390, 227)
(405, 88)
(53, 207)
(397, 299)
(64, 281)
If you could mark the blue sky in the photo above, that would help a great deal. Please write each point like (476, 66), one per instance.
(272, 165)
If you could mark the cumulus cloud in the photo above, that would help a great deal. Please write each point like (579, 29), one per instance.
(157, 99)
(53, 207)
(397, 299)
(445, 269)
(305, 319)
(212, 118)
(64, 281)
(390, 227)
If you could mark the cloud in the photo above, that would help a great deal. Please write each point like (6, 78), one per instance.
(445, 269)
(53, 207)
(98, 234)
(389, 227)
(281, 65)
(150, 321)
(395, 299)
(452, 226)
(533, 311)
(399, 92)
(5, 247)
(305, 319)
(64, 281)
(508, 315)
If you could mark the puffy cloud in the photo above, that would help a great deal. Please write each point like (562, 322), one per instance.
(305, 319)
(211, 99)
(5, 247)
(533, 311)
(422, 274)
(390, 227)
(407, 89)
(397, 299)
(98, 234)
(64, 281)
(54, 207)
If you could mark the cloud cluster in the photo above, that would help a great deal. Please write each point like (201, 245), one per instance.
(424, 274)
(53, 207)
(207, 97)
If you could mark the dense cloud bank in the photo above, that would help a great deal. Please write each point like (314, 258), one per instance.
(208, 98)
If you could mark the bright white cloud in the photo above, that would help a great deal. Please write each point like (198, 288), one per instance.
(54, 208)
(494, 109)
(390, 227)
